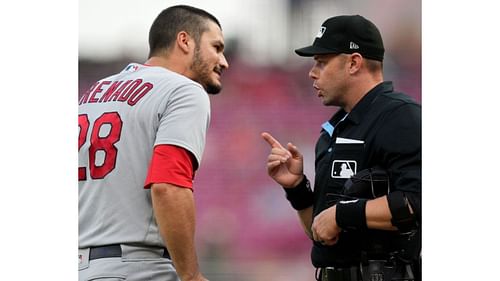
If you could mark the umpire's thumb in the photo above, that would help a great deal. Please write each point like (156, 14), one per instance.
(294, 151)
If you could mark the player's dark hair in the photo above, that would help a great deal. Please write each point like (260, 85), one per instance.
(173, 20)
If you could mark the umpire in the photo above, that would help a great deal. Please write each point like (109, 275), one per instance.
(364, 215)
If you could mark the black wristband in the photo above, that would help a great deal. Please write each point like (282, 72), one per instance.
(300, 196)
(350, 215)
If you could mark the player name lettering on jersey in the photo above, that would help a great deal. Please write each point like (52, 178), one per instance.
(130, 91)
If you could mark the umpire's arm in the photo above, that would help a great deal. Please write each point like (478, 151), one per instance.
(400, 149)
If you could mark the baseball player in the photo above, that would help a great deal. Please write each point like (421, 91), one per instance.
(141, 139)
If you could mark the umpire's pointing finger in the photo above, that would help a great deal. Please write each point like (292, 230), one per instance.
(271, 141)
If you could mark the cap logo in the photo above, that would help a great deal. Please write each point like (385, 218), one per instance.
(353, 45)
(321, 32)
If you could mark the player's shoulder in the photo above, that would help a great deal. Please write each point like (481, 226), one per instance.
(170, 80)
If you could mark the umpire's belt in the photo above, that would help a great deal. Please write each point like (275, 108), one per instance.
(115, 250)
(332, 274)
(378, 270)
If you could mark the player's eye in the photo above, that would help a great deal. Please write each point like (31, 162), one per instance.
(219, 48)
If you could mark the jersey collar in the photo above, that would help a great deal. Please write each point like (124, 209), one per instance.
(359, 110)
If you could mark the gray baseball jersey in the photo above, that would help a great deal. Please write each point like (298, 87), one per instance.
(121, 119)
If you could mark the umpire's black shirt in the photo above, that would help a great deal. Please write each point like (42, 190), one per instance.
(383, 129)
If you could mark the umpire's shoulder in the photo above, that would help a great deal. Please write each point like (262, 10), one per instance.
(397, 99)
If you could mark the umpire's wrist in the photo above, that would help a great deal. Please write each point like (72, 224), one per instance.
(351, 214)
(296, 183)
(301, 195)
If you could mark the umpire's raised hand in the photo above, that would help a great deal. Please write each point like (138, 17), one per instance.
(284, 165)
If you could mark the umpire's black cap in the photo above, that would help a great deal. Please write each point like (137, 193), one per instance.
(346, 34)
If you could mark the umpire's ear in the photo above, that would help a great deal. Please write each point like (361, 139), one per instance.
(355, 60)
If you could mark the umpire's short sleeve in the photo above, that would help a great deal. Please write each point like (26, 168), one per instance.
(400, 144)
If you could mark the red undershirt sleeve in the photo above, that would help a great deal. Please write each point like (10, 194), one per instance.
(171, 164)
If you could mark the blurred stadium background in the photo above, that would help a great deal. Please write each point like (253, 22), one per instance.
(246, 229)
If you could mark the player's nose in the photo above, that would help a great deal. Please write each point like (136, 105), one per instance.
(223, 62)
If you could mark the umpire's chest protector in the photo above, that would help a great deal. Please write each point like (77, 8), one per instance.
(337, 159)
(368, 136)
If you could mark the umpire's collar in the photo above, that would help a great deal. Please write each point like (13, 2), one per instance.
(363, 105)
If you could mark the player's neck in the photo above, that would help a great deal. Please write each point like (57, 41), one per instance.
(168, 63)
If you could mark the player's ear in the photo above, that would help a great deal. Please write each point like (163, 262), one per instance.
(183, 41)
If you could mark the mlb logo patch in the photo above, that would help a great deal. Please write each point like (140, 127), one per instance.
(132, 68)
(344, 169)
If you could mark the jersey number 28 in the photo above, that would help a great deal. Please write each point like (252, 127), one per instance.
(105, 144)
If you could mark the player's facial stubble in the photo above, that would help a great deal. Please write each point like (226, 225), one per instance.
(204, 71)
